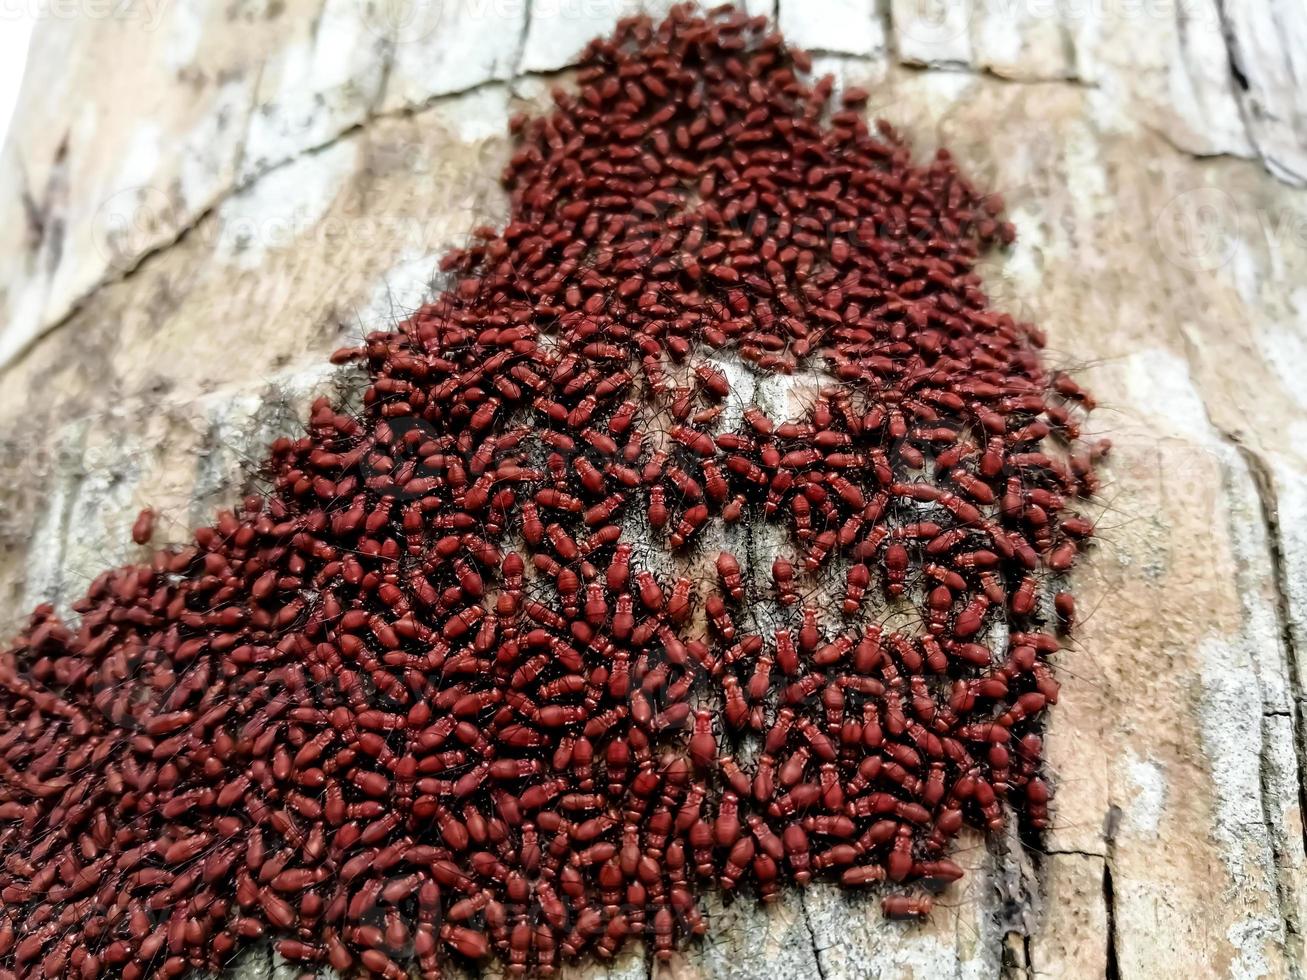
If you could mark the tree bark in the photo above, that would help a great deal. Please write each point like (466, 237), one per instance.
(202, 199)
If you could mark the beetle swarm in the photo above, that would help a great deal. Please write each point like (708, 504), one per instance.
(423, 698)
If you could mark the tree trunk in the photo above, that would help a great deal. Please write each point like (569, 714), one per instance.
(203, 199)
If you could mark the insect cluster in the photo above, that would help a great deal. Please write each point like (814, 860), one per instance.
(425, 697)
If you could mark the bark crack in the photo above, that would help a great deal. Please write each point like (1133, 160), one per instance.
(988, 71)
(1241, 92)
(243, 184)
(1112, 968)
(60, 598)
(238, 164)
(383, 80)
(886, 14)
(1268, 511)
(1263, 481)
(240, 186)
(1111, 963)
(528, 5)
(1268, 507)
(1074, 852)
(812, 935)
(1166, 137)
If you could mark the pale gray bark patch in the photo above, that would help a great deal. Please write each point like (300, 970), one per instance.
(852, 27)
(1268, 52)
(344, 68)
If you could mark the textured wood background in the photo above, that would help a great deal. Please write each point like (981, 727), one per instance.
(200, 199)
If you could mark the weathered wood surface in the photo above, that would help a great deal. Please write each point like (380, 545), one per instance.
(201, 199)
